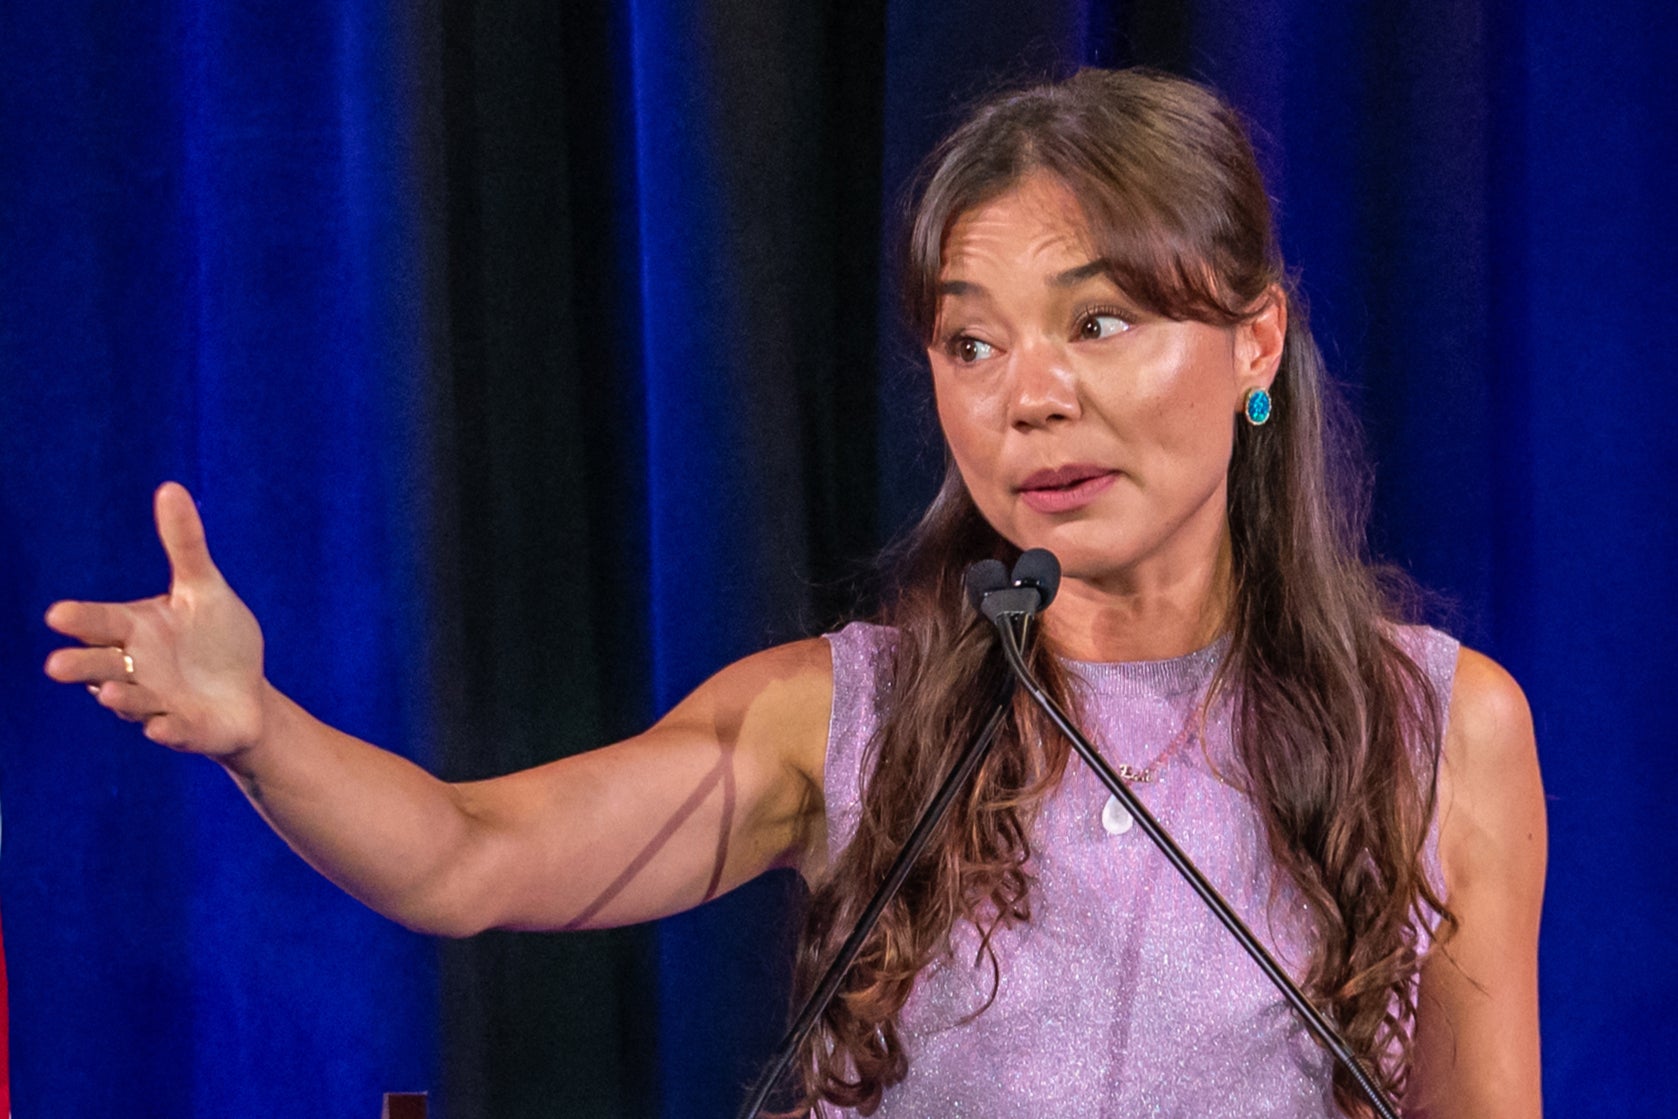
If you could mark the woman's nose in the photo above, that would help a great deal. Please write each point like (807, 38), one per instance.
(1045, 389)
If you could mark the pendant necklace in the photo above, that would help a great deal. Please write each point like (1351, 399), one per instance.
(1115, 817)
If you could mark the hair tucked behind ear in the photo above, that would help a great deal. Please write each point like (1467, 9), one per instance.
(1337, 729)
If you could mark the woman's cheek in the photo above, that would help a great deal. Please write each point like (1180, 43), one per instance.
(994, 504)
(970, 425)
(970, 400)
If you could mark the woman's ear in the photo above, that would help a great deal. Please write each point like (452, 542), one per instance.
(1259, 339)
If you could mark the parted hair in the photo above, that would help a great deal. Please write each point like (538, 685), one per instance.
(1336, 728)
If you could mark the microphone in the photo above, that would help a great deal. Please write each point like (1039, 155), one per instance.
(982, 578)
(1031, 587)
(1038, 567)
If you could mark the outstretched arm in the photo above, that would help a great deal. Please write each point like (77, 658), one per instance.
(1477, 1016)
(724, 787)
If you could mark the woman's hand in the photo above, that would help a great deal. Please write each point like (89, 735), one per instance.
(187, 664)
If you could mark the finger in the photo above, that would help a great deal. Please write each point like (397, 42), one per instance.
(92, 665)
(166, 730)
(93, 623)
(130, 701)
(182, 534)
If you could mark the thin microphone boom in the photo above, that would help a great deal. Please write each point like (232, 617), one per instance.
(981, 581)
(930, 818)
(1004, 608)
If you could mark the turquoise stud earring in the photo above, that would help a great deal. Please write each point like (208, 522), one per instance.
(1258, 406)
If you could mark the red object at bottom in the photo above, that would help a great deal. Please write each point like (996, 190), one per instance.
(404, 1105)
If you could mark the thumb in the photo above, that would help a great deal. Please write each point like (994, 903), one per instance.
(182, 534)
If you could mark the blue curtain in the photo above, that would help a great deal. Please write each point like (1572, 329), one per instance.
(210, 271)
(529, 365)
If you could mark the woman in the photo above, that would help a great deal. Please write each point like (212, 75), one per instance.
(1123, 377)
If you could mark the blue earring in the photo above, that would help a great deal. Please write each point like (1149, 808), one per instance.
(1258, 406)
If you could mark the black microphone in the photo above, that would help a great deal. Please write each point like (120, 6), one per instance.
(1032, 586)
(984, 577)
(1038, 567)
(1029, 588)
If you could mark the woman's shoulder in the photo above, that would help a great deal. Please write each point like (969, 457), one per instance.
(1433, 650)
(1478, 695)
(861, 657)
(805, 701)
(791, 673)
(1489, 736)
(796, 698)
(862, 654)
(772, 706)
(862, 638)
(1491, 797)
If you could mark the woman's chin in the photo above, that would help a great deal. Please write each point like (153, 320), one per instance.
(1085, 560)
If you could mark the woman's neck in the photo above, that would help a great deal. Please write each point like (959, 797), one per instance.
(1141, 616)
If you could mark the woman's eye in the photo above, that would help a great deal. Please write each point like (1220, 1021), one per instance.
(1101, 325)
(968, 350)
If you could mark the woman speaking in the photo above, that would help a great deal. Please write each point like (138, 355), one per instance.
(1124, 377)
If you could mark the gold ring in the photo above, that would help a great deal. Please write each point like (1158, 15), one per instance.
(128, 666)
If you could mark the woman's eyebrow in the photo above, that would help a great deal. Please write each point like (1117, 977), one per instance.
(1072, 277)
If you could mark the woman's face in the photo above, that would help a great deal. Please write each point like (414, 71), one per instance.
(1078, 423)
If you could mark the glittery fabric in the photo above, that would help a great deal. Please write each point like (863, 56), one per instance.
(1123, 996)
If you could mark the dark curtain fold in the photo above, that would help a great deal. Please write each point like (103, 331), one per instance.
(533, 361)
(545, 547)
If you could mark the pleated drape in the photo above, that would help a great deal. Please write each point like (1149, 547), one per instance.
(533, 361)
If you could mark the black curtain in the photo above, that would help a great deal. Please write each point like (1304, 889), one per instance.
(550, 642)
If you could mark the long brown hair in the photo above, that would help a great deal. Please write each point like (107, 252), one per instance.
(1337, 729)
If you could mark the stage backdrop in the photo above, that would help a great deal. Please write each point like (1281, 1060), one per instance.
(531, 361)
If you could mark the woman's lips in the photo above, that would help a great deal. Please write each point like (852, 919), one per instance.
(1066, 488)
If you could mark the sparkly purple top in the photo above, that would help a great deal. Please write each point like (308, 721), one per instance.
(1123, 996)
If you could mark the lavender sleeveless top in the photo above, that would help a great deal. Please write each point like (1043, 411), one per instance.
(1123, 996)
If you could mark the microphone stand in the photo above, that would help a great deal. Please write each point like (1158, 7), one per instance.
(1011, 605)
(930, 818)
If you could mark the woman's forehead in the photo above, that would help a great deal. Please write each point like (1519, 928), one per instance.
(1036, 224)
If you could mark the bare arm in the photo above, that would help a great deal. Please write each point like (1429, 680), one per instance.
(1477, 1028)
(724, 787)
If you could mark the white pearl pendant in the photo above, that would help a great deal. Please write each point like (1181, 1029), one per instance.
(1115, 817)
